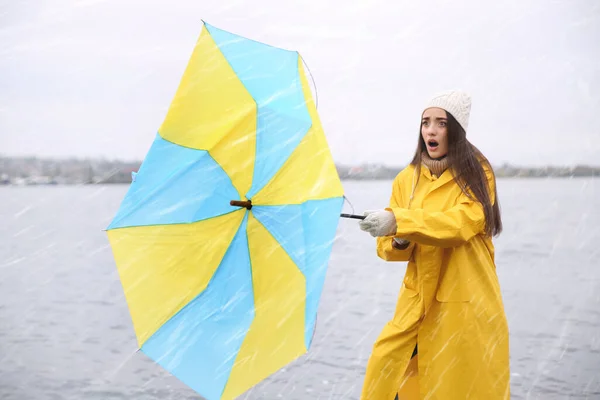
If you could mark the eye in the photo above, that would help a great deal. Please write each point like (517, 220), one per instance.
(424, 123)
(443, 123)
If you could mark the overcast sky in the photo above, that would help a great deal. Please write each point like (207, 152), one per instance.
(95, 78)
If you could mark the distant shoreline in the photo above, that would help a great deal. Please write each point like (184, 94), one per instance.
(124, 184)
(28, 171)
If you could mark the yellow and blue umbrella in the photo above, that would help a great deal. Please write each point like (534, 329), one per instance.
(223, 239)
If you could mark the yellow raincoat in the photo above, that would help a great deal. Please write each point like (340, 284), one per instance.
(449, 303)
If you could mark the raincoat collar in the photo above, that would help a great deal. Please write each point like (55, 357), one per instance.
(436, 182)
(440, 180)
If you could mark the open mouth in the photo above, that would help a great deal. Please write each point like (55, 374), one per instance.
(432, 143)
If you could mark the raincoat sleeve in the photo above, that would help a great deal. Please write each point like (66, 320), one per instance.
(451, 228)
(385, 250)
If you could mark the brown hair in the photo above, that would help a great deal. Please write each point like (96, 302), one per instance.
(464, 162)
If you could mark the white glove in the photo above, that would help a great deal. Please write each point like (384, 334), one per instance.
(379, 223)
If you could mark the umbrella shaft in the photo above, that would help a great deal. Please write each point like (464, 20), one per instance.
(248, 204)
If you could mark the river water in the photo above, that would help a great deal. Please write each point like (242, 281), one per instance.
(65, 331)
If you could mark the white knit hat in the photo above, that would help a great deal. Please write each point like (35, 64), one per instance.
(456, 102)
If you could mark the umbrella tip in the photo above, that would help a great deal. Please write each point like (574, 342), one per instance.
(247, 204)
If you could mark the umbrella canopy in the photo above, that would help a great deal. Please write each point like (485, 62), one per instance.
(223, 239)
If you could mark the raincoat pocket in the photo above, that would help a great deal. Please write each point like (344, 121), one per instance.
(452, 292)
(453, 284)
(409, 284)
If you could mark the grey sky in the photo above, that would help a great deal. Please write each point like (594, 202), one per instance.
(95, 78)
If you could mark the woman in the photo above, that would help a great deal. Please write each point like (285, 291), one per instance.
(441, 218)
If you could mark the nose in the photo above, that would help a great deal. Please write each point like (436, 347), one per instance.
(430, 131)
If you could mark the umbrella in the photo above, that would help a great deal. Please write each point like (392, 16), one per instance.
(223, 238)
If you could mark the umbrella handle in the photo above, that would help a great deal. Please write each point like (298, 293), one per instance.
(352, 216)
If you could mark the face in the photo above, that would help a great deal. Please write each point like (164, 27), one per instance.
(434, 129)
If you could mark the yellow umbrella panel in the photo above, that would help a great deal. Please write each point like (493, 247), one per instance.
(223, 296)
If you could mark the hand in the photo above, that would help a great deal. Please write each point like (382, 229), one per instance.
(379, 223)
(400, 244)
